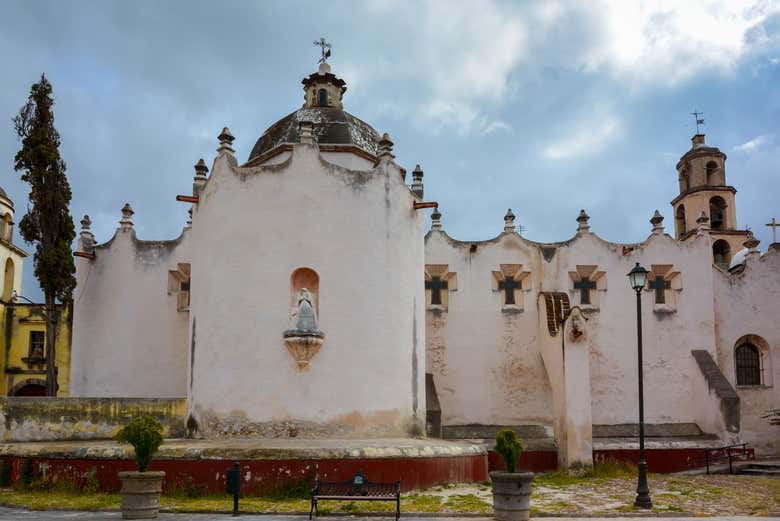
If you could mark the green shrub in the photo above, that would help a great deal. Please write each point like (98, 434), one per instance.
(92, 483)
(145, 435)
(509, 446)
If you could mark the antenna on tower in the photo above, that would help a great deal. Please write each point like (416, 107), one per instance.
(699, 120)
(325, 49)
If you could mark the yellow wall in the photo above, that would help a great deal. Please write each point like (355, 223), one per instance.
(19, 320)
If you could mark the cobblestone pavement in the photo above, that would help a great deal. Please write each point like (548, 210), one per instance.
(12, 514)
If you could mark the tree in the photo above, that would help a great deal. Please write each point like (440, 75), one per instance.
(47, 224)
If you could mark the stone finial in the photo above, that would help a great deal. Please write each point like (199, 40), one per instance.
(702, 223)
(751, 243)
(436, 219)
(509, 221)
(417, 181)
(657, 220)
(127, 217)
(87, 238)
(306, 132)
(201, 169)
(583, 219)
(200, 177)
(386, 147)
(226, 142)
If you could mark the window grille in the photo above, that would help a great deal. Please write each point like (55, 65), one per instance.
(748, 365)
(37, 339)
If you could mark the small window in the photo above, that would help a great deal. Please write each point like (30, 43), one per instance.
(37, 340)
(748, 361)
(721, 254)
(322, 98)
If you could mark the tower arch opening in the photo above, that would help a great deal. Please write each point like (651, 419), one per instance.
(679, 221)
(721, 254)
(322, 98)
(718, 213)
(8, 279)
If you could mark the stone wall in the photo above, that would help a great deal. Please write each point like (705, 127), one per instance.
(54, 419)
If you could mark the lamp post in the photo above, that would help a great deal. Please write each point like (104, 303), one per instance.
(637, 277)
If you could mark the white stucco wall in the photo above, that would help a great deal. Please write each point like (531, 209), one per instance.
(486, 364)
(252, 228)
(129, 340)
(747, 303)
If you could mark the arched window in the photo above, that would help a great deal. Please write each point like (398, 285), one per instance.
(322, 98)
(717, 213)
(8, 280)
(305, 278)
(748, 363)
(721, 253)
(680, 220)
(712, 169)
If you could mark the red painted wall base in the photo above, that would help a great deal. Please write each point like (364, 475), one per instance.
(264, 476)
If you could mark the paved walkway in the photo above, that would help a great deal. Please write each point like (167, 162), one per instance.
(11, 514)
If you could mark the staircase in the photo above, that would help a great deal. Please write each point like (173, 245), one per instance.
(762, 468)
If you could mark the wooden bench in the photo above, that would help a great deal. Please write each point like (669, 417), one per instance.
(356, 489)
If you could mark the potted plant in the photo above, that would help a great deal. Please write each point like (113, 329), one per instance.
(141, 490)
(511, 489)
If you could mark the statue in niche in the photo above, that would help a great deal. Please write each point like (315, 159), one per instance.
(304, 338)
(303, 317)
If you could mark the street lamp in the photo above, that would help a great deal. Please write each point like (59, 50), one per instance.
(16, 296)
(637, 277)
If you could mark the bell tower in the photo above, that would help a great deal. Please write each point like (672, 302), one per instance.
(703, 190)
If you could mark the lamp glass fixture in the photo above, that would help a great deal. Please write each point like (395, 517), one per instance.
(637, 277)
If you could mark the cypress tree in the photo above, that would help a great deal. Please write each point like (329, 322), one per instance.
(47, 223)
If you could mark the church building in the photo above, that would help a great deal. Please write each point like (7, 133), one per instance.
(306, 299)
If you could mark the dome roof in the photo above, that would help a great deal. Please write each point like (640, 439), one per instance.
(2, 193)
(332, 126)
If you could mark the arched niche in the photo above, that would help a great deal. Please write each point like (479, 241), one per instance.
(752, 361)
(305, 278)
(721, 253)
(8, 279)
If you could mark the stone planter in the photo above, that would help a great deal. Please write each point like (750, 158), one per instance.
(141, 494)
(511, 495)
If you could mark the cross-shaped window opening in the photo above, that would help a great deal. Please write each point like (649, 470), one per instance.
(436, 284)
(584, 285)
(509, 285)
(659, 285)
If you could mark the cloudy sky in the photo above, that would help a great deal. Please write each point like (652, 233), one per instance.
(543, 107)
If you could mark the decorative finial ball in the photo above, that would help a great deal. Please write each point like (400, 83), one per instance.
(86, 222)
(127, 210)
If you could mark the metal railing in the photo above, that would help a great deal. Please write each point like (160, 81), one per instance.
(737, 452)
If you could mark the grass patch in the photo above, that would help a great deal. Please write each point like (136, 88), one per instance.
(467, 503)
(579, 475)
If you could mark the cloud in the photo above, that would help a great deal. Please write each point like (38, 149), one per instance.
(755, 143)
(458, 63)
(589, 137)
(667, 42)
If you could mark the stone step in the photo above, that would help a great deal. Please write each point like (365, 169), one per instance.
(760, 471)
(771, 465)
(479, 431)
(652, 430)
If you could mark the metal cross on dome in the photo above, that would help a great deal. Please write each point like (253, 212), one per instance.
(699, 120)
(325, 48)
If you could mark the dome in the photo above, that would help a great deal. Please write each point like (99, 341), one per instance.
(332, 126)
(2, 193)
